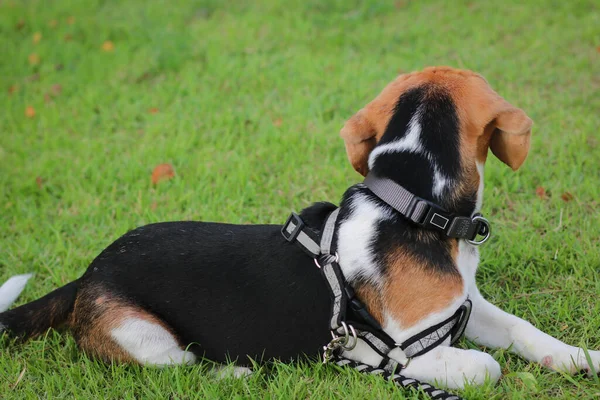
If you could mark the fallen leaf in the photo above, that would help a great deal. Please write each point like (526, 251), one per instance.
(19, 25)
(39, 181)
(153, 206)
(108, 46)
(277, 122)
(541, 193)
(71, 20)
(400, 4)
(37, 37)
(565, 326)
(68, 37)
(162, 172)
(598, 49)
(12, 89)
(34, 59)
(153, 110)
(52, 23)
(30, 112)
(567, 197)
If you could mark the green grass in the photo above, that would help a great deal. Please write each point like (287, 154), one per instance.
(249, 98)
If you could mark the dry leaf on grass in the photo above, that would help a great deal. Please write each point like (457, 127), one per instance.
(37, 37)
(153, 110)
(162, 172)
(29, 112)
(567, 197)
(541, 193)
(277, 122)
(39, 182)
(108, 46)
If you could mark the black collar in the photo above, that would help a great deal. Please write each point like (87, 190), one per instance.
(427, 214)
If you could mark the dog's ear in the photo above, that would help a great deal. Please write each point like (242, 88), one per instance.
(359, 136)
(511, 137)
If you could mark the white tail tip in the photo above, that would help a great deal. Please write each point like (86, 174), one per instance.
(11, 289)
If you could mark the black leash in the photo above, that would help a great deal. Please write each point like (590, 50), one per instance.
(398, 379)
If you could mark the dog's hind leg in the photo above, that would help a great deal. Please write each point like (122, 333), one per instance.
(112, 329)
(453, 368)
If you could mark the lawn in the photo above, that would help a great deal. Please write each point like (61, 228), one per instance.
(245, 100)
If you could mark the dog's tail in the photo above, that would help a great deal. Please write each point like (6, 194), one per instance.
(31, 319)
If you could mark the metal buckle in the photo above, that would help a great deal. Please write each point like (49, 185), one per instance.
(485, 230)
(336, 259)
(341, 341)
(299, 224)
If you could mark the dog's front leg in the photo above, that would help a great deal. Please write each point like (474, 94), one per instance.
(492, 327)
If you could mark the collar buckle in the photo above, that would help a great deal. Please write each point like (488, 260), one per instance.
(292, 227)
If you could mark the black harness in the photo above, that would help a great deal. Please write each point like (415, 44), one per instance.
(350, 320)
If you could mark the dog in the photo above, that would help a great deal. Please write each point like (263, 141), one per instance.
(174, 292)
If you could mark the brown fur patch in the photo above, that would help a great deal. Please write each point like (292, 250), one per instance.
(413, 291)
(96, 314)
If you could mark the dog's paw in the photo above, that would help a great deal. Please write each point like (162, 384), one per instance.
(573, 360)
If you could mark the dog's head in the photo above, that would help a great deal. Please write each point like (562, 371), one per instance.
(440, 120)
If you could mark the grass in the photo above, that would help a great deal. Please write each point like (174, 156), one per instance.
(246, 100)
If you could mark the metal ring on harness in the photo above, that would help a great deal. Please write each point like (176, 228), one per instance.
(336, 259)
(340, 341)
(348, 329)
(487, 230)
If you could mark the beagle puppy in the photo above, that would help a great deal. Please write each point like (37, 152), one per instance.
(175, 292)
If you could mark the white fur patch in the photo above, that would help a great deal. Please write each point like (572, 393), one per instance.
(11, 289)
(410, 142)
(355, 236)
(150, 343)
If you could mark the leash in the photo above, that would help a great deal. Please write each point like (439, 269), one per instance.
(399, 380)
(351, 322)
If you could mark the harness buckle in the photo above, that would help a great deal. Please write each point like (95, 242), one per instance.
(292, 227)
